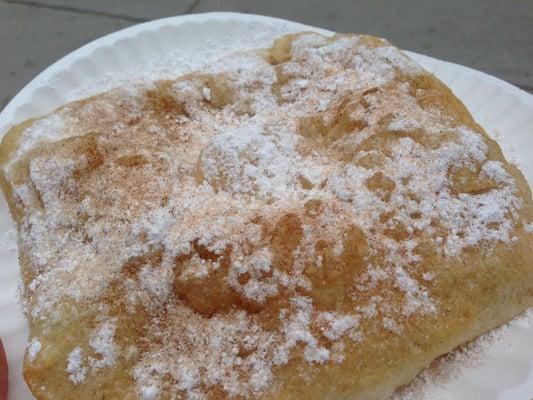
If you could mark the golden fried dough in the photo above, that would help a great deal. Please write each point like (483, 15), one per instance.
(321, 219)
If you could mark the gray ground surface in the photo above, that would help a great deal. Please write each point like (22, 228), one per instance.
(489, 35)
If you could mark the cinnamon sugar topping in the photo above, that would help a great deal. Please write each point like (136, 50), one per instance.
(256, 212)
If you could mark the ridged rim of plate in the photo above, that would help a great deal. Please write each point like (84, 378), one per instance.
(502, 109)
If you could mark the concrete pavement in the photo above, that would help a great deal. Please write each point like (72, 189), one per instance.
(489, 35)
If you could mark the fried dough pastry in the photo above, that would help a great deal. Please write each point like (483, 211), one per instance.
(317, 220)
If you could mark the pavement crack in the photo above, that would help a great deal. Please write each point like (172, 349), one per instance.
(191, 8)
(75, 10)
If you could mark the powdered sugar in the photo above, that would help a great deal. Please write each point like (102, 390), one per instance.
(212, 171)
(33, 349)
(103, 345)
(337, 325)
(391, 325)
(251, 160)
(297, 330)
(77, 372)
(149, 392)
(415, 297)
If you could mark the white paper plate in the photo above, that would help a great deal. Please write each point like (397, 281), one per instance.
(169, 47)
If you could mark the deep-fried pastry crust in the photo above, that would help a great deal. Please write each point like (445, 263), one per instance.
(317, 220)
